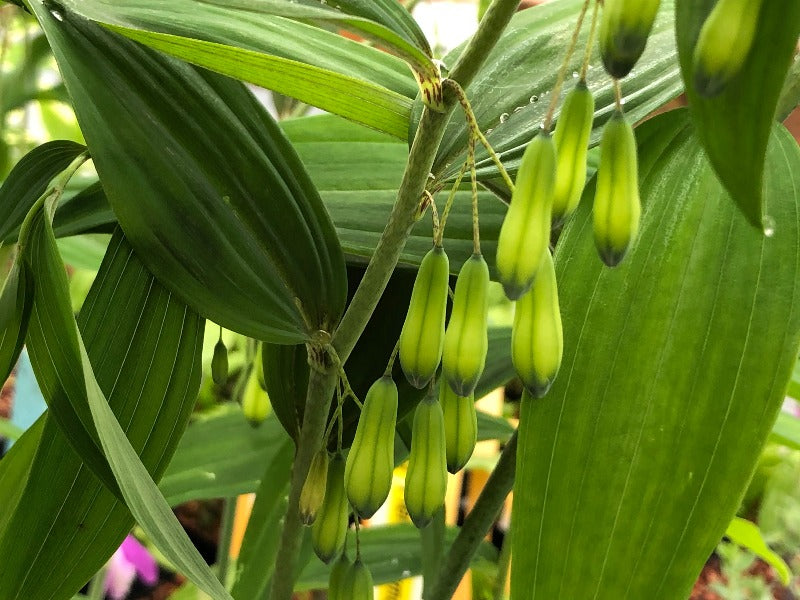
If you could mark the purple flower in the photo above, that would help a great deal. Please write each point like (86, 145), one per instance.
(130, 559)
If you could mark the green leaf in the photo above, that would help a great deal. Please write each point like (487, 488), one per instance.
(748, 535)
(267, 265)
(318, 67)
(222, 455)
(150, 349)
(358, 173)
(511, 93)
(674, 369)
(491, 427)
(735, 125)
(29, 179)
(16, 301)
(84, 251)
(286, 378)
(66, 376)
(15, 470)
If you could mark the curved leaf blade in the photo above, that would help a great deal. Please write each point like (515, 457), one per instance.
(627, 477)
(62, 360)
(188, 185)
(153, 345)
(735, 125)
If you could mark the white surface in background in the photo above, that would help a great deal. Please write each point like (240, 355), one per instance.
(446, 24)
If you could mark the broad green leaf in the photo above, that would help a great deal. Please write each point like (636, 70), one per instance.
(85, 212)
(358, 173)
(318, 67)
(735, 125)
(392, 552)
(675, 365)
(15, 469)
(222, 455)
(511, 93)
(21, 83)
(221, 210)
(794, 384)
(66, 376)
(748, 535)
(147, 359)
(29, 179)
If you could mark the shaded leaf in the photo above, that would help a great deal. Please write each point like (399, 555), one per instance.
(148, 351)
(316, 66)
(631, 468)
(221, 210)
(735, 125)
(222, 455)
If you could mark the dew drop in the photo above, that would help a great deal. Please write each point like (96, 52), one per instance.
(534, 99)
(504, 117)
(57, 15)
(769, 226)
(575, 74)
(519, 108)
(489, 131)
(405, 573)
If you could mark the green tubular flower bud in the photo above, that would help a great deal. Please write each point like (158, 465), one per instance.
(313, 492)
(624, 28)
(571, 138)
(537, 340)
(466, 340)
(330, 527)
(337, 577)
(422, 336)
(616, 203)
(460, 427)
(357, 583)
(426, 477)
(525, 233)
(370, 463)
(219, 364)
(724, 44)
(255, 401)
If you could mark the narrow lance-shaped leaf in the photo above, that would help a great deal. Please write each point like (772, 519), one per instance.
(72, 521)
(54, 335)
(207, 189)
(734, 125)
(633, 465)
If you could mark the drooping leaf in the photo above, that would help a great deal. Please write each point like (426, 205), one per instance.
(299, 60)
(16, 301)
(29, 179)
(786, 431)
(491, 427)
(633, 465)
(511, 93)
(66, 376)
(147, 359)
(748, 535)
(206, 188)
(9, 431)
(735, 125)
(286, 377)
(222, 455)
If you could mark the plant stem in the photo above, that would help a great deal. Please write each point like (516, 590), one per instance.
(321, 383)
(322, 379)
(97, 586)
(225, 534)
(477, 522)
(587, 55)
(503, 565)
(420, 160)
